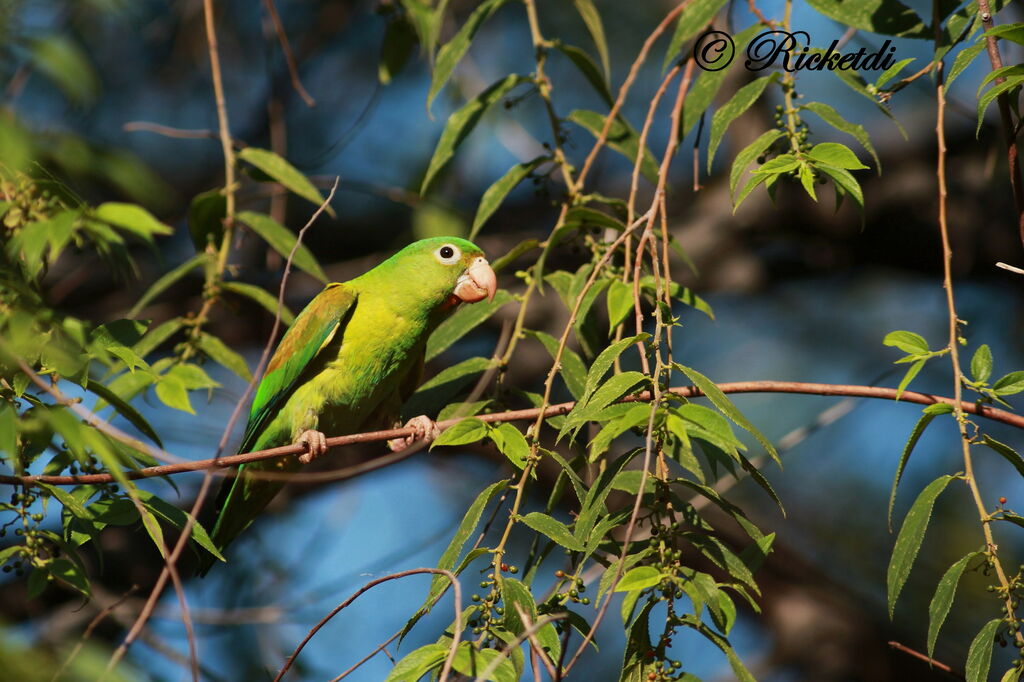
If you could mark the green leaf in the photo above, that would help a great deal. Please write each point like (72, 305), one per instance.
(461, 123)
(620, 302)
(573, 370)
(981, 364)
(284, 173)
(511, 443)
(622, 137)
(514, 592)
(442, 388)
(1003, 72)
(472, 662)
(733, 109)
(262, 298)
(722, 402)
(738, 669)
(439, 582)
(915, 434)
(218, 351)
(8, 432)
(68, 572)
(592, 18)
(604, 362)
(159, 286)
(469, 430)
(132, 218)
(845, 182)
(707, 85)
(888, 17)
(963, 60)
(942, 600)
(496, 193)
(282, 240)
(979, 656)
(206, 213)
(63, 62)
(1012, 32)
(991, 94)
(418, 663)
(552, 528)
(1007, 453)
(588, 68)
(636, 415)
(156, 336)
(452, 52)
(835, 154)
(783, 163)
(125, 409)
(832, 117)
(908, 542)
(639, 578)
(465, 319)
(892, 72)
(693, 18)
(69, 501)
(807, 180)
(172, 392)
(1010, 384)
(610, 391)
(396, 47)
(912, 372)
(178, 517)
(748, 154)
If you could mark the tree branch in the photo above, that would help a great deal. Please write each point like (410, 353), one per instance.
(798, 387)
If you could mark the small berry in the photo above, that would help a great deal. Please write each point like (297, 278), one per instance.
(559, 573)
(1002, 500)
(504, 568)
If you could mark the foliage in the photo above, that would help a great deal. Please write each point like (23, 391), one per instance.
(658, 550)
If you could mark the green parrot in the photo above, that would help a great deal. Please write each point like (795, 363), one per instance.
(347, 363)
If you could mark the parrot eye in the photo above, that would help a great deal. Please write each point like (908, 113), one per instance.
(448, 254)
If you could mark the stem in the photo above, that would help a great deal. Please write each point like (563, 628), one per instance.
(1009, 132)
(954, 356)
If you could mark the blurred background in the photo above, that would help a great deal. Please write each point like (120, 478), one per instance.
(114, 98)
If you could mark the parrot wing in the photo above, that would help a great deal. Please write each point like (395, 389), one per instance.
(312, 330)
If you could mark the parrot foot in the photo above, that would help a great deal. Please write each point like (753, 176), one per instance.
(426, 429)
(315, 442)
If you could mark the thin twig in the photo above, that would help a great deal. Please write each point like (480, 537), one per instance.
(97, 619)
(1011, 268)
(528, 632)
(456, 635)
(289, 58)
(380, 647)
(954, 348)
(930, 661)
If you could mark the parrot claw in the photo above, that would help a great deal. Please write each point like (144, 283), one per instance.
(316, 445)
(426, 429)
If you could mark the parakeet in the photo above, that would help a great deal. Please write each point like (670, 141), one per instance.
(348, 362)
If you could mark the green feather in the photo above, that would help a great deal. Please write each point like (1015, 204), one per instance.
(349, 360)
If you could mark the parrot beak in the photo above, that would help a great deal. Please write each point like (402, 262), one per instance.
(476, 283)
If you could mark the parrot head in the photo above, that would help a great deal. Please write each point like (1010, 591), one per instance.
(446, 270)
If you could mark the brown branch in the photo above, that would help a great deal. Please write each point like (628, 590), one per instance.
(456, 634)
(180, 133)
(1003, 101)
(798, 387)
(289, 58)
(930, 661)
